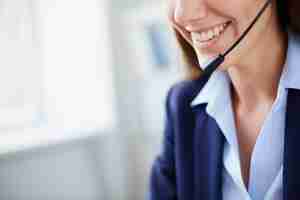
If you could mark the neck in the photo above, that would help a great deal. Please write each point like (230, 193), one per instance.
(255, 79)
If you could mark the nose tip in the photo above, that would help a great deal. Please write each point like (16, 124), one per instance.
(187, 12)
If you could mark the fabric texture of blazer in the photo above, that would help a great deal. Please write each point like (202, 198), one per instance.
(189, 166)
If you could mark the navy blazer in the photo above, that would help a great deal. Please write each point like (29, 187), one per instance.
(189, 166)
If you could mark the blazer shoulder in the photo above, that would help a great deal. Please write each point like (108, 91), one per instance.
(183, 92)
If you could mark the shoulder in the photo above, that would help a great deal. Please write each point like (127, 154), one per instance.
(183, 92)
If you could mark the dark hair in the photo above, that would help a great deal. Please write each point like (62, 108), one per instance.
(289, 18)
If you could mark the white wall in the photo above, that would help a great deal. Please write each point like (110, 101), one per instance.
(58, 173)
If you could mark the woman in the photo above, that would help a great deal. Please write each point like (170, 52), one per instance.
(237, 136)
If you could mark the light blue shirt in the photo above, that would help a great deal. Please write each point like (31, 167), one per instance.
(265, 178)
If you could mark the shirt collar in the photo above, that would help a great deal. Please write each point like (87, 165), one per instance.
(218, 86)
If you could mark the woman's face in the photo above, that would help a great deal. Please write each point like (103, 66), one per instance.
(212, 26)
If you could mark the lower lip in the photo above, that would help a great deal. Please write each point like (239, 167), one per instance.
(211, 42)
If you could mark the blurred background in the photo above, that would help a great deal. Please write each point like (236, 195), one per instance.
(82, 86)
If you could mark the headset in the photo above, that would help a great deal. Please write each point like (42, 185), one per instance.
(211, 66)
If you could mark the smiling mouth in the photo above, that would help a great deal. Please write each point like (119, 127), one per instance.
(210, 34)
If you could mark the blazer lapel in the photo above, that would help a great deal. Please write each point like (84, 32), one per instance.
(291, 165)
(208, 148)
(208, 143)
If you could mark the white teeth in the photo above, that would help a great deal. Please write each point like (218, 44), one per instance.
(203, 35)
(208, 35)
(216, 31)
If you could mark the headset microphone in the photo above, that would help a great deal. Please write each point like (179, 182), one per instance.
(211, 66)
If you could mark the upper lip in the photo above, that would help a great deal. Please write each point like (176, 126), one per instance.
(197, 29)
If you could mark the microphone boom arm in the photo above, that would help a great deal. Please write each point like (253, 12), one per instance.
(213, 65)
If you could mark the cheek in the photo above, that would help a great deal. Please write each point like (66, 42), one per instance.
(174, 24)
(170, 15)
(171, 11)
(244, 11)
